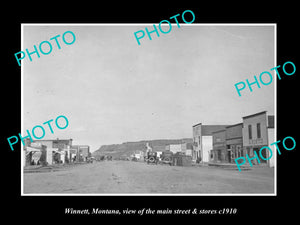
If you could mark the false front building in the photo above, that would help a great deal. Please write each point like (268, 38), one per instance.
(203, 141)
(234, 142)
(223, 143)
(80, 153)
(227, 144)
(258, 131)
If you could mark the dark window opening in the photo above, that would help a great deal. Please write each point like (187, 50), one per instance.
(250, 131)
(258, 130)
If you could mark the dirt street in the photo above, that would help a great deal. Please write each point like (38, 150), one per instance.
(126, 177)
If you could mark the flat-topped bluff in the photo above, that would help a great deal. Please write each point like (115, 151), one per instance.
(128, 148)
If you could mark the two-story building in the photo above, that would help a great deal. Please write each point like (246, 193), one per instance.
(203, 141)
(234, 142)
(258, 131)
(82, 152)
(219, 151)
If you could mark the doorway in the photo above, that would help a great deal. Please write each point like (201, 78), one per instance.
(229, 156)
(219, 155)
(263, 154)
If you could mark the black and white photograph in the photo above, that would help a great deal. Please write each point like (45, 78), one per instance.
(149, 113)
(108, 115)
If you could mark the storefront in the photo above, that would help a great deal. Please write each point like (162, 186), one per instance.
(234, 142)
(220, 153)
(257, 134)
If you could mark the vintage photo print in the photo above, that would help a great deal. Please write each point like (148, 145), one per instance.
(148, 109)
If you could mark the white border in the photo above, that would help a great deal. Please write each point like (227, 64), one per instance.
(275, 108)
(149, 24)
(22, 118)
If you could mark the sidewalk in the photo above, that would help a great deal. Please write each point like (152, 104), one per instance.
(49, 168)
(233, 166)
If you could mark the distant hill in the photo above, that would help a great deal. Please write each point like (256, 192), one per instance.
(128, 148)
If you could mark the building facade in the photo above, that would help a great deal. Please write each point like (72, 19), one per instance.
(234, 142)
(58, 144)
(203, 141)
(82, 152)
(59, 148)
(219, 152)
(62, 150)
(174, 148)
(185, 148)
(258, 131)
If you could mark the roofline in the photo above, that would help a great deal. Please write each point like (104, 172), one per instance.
(234, 125)
(241, 137)
(217, 131)
(197, 124)
(263, 112)
(211, 124)
(55, 140)
(80, 146)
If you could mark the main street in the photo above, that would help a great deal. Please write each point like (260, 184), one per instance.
(127, 177)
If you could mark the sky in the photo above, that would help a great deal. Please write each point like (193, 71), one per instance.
(113, 90)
